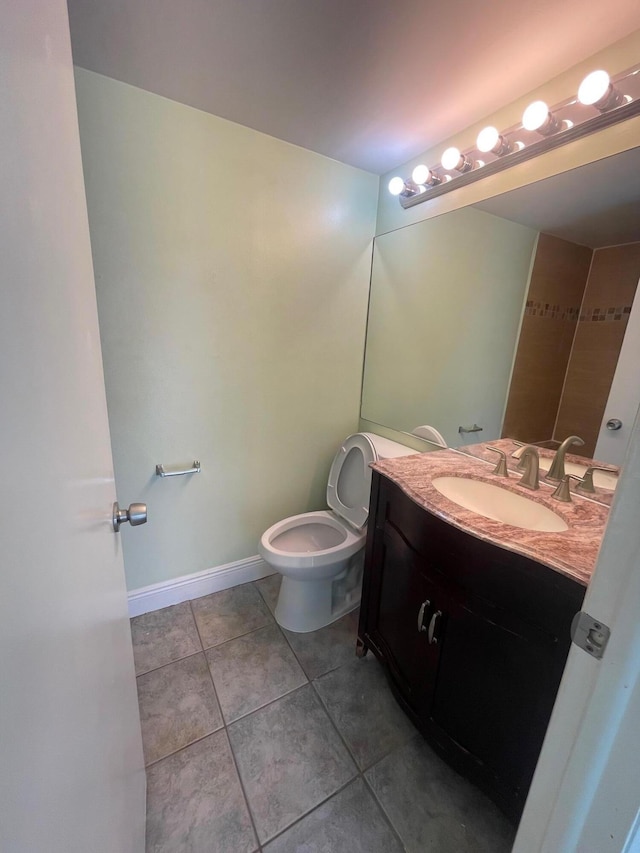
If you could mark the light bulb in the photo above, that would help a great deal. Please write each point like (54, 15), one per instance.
(396, 185)
(490, 140)
(594, 87)
(451, 159)
(596, 90)
(423, 176)
(537, 117)
(487, 138)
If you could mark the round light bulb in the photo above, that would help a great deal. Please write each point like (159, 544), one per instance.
(424, 178)
(487, 139)
(535, 115)
(451, 159)
(594, 87)
(396, 185)
(421, 174)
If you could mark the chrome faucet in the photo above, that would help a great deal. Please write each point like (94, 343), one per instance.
(530, 462)
(556, 472)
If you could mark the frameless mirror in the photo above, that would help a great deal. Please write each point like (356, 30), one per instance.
(512, 315)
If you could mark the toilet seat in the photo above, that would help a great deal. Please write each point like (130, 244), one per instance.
(349, 482)
(325, 539)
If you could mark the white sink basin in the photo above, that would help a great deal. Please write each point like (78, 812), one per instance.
(499, 504)
(602, 479)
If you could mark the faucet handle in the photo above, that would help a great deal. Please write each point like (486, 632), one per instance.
(501, 467)
(586, 481)
(563, 491)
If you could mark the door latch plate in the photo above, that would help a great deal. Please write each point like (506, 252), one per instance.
(590, 634)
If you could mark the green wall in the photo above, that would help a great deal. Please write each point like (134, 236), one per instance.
(447, 297)
(232, 273)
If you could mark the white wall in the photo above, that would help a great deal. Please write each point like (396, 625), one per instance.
(232, 273)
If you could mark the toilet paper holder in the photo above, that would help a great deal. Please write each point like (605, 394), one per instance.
(161, 471)
(474, 428)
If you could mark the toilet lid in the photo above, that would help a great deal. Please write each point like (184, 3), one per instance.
(349, 481)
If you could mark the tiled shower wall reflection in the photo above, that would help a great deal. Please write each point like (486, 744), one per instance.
(574, 323)
(611, 288)
(558, 281)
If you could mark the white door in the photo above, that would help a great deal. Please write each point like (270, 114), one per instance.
(71, 767)
(585, 795)
(624, 396)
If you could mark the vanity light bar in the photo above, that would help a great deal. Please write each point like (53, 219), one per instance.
(601, 102)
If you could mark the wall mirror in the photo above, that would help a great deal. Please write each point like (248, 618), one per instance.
(513, 315)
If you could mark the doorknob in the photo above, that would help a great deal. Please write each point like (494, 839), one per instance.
(614, 423)
(135, 515)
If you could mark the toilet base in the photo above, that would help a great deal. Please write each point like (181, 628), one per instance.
(307, 605)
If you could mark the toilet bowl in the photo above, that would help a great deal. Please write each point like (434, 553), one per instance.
(320, 555)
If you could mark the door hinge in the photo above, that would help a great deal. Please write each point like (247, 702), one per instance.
(590, 634)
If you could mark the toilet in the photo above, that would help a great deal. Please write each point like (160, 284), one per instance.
(321, 554)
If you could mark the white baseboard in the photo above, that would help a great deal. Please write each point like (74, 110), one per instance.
(164, 594)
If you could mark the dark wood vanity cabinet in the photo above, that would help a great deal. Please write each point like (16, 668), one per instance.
(473, 637)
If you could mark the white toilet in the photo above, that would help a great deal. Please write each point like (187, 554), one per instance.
(321, 554)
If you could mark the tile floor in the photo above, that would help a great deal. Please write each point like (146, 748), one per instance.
(258, 739)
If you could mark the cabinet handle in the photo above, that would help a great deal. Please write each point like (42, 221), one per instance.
(432, 627)
(423, 607)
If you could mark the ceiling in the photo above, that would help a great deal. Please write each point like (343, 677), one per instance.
(596, 205)
(371, 83)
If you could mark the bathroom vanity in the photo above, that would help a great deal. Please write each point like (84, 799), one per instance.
(471, 617)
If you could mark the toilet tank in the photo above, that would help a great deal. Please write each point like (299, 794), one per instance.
(385, 448)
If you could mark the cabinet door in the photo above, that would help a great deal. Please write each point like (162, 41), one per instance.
(496, 686)
(407, 602)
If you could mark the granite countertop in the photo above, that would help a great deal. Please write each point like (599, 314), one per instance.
(572, 552)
